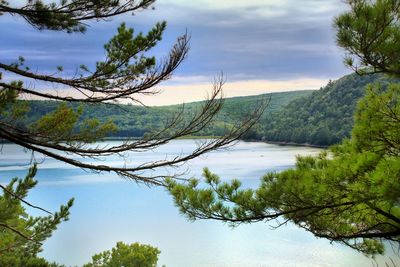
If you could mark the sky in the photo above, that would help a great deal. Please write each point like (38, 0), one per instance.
(260, 46)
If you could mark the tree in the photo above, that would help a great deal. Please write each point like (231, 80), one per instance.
(348, 194)
(133, 255)
(370, 34)
(126, 72)
(21, 235)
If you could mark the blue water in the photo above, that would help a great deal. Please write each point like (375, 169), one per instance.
(109, 209)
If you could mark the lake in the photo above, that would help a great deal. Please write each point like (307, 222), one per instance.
(108, 209)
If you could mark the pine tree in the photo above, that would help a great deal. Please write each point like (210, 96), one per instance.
(350, 193)
(22, 235)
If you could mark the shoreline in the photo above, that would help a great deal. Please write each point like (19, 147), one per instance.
(281, 143)
(116, 138)
(292, 144)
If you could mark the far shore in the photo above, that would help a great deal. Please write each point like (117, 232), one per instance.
(123, 138)
(289, 144)
(216, 137)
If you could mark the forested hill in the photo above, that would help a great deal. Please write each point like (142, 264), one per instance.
(135, 121)
(323, 118)
(318, 117)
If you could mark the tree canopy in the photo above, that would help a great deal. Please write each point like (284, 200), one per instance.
(348, 194)
(22, 235)
(370, 34)
(133, 255)
(70, 15)
(138, 121)
(323, 118)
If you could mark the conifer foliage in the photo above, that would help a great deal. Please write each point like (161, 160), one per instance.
(348, 194)
(22, 235)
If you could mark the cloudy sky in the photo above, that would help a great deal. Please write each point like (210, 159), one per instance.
(260, 45)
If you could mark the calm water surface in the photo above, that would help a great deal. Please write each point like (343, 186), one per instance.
(109, 209)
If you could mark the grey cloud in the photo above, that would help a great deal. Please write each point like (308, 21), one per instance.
(297, 41)
(291, 39)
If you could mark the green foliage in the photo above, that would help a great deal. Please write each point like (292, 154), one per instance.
(70, 15)
(133, 255)
(370, 33)
(62, 124)
(44, 18)
(323, 118)
(8, 109)
(21, 235)
(349, 194)
(137, 121)
(378, 120)
(125, 46)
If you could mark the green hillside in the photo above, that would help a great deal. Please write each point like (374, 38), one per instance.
(320, 117)
(323, 118)
(135, 121)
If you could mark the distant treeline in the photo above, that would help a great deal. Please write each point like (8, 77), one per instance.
(136, 121)
(322, 117)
